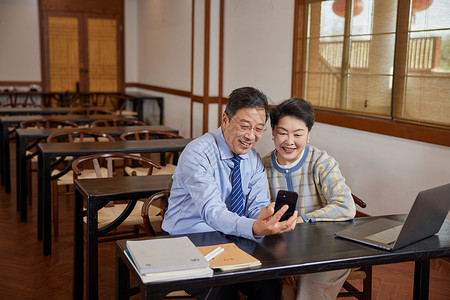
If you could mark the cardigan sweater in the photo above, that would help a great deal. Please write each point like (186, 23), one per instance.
(322, 192)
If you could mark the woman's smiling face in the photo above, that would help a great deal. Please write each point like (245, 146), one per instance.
(290, 136)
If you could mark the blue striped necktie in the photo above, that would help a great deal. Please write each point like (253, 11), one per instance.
(237, 196)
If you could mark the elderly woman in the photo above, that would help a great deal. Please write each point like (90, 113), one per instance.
(295, 165)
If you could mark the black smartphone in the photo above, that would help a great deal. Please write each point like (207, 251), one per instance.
(289, 198)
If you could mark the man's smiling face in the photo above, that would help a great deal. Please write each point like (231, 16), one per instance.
(244, 129)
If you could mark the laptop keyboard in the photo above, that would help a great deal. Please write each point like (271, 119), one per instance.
(387, 236)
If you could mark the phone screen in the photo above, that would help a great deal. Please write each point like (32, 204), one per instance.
(289, 198)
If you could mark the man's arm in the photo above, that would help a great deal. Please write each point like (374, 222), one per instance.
(202, 176)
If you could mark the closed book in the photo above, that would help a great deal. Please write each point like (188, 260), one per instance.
(172, 275)
(165, 254)
(231, 258)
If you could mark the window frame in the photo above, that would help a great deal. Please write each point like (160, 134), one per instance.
(429, 133)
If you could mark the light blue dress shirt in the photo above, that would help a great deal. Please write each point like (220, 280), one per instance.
(201, 190)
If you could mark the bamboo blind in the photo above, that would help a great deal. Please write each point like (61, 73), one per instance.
(102, 41)
(64, 56)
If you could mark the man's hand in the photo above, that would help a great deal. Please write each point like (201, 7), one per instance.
(268, 222)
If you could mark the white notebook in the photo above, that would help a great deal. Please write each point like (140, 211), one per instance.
(165, 254)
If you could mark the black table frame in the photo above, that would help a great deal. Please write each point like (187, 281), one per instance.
(10, 121)
(138, 104)
(310, 248)
(24, 136)
(48, 151)
(98, 192)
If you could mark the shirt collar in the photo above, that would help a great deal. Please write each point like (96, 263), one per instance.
(224, 150)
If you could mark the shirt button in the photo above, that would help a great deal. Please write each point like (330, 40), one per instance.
(287, 171)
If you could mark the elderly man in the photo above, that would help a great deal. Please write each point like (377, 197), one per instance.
(220, 185)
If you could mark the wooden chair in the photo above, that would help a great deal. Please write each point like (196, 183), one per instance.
(63, 165)
(92, 110)
(117, 122)
(165, 159)
(361, 273)
(32, 149)
(152, 213)
(115, 213)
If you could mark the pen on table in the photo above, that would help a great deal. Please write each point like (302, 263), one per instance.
(214, 253)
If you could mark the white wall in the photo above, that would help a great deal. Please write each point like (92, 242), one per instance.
(164, 43)
(258, 46)
(19, 35)
(131, 40)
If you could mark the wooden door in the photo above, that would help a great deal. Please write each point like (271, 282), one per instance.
(63, 53)
(82, 52)
(102, 54)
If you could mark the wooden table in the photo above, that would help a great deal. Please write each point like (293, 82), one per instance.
(311, 247)
(48, 151)
(138, 104)
(98, 192)
(12, 111)
(24, 136)
(5, 123)
(15, 120)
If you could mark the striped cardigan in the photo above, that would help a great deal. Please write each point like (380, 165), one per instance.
(322, 192)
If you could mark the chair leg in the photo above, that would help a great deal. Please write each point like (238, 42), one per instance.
(55, 208)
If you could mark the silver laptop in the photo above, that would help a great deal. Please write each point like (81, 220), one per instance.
(424, 219)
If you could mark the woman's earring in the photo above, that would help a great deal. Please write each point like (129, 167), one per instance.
(308, 140)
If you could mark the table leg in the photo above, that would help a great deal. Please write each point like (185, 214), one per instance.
(140, 109)
(40, 197)
(78, 248)
(2, 150)
(122, 278)
(21, 178)
(92, 250)
(161, 110)
(7, 168)
(421, 279)
(46, 205)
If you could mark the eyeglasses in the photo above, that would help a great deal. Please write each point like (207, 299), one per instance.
(245, 127)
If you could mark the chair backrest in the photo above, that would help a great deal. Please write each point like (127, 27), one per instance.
(117, 122)
(148, 135)
(23, 105)
(109, 163)
(92, 111)
(359, 202)
(47, 123)
(152, 135)
(78, 136)
(153, 211)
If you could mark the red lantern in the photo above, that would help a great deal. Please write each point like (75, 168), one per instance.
(339, 7)
(419, 5)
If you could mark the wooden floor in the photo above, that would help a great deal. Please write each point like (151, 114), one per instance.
(26, 274)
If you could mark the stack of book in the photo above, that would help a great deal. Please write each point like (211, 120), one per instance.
(167, 259)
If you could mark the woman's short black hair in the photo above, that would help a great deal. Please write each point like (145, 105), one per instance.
(246, 97)
(295, 107)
